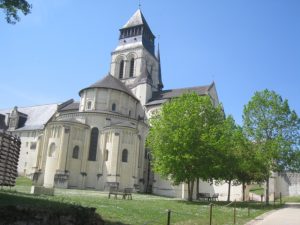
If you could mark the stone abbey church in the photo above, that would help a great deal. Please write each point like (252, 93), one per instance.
(100, 141)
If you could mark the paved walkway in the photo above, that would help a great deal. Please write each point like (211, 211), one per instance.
(289, 215)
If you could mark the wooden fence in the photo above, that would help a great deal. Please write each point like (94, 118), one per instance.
(9, 156)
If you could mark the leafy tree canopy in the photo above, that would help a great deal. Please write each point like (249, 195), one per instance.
(11, 8)
(178, 138)
(273, 128)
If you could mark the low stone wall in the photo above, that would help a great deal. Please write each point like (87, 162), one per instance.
(39, 190)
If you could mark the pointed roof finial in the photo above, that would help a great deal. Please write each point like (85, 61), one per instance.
(140, 4)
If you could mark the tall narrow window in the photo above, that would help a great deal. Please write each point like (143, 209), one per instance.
(75, 154)
(125, 155)
(131, 71)
(52, 150)
(89, 105)
(113, 107)
(93, 144)
(106, 155)
(121, 69)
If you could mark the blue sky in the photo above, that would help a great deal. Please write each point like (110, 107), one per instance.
(242, 45)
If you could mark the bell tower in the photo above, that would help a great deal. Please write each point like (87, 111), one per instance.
(134, 61)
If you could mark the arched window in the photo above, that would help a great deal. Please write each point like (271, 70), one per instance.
(75, 154)
(89, 105)
(93, 144)
(121, 69)
(131, 71)
(125, 155)
(52, 149)
(113, 107)
(106, 155)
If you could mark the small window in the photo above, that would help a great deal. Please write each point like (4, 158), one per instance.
(33, 145)
(131, 71)
(121, 69)
(125, 155)
(75, 154)
(113, 107)
(106, 155)
(89, 105)
(129, 113)
(52, 149)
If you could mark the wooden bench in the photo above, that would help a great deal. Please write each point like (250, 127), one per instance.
(205, 196)
(127, 192)
(215, 197)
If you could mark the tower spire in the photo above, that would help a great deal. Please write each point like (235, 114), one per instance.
(140, 4)
(160, 84)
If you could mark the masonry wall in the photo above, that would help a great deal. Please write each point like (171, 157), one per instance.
(165, 188)
(288, 184)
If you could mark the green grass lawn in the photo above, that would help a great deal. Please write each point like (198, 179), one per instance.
(143, 209)
(291, 199)
(257, 189)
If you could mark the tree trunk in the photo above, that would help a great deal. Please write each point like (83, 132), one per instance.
(229, 189)
(190, 190)
(267, 191)
(197, 187)
(244, 188)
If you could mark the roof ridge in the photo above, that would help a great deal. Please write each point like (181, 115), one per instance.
(31, 106)
(110, 82)
(187, 87)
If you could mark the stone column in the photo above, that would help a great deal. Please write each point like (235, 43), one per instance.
(61, 176)
(114, 169)
(85, 157)
(63, 148)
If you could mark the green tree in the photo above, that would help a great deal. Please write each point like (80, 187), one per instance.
(250, 165)
(178, 139)
(225, 160)
(11, 8)
(274, 130)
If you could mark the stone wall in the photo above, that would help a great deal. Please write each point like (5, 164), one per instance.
(288, 184)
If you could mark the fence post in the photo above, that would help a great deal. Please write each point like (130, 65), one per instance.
(274, 199)
(169, 217)
(234, 212)
(248, 210)
(280, 199)
(210, 214)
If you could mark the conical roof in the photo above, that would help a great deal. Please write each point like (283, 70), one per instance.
(160, 83)
(110, 82)
(136, 20)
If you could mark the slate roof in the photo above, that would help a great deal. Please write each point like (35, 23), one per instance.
(163, 96)
(37, 116)
(136, 20)
(72, 106)
(110, 82)
(2, 122)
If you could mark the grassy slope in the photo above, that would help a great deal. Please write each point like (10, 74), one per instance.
(291, 199)
(257, 189)
(143, 209)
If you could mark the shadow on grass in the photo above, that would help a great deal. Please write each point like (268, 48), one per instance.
(114, 223)
(251, 205)
(31, 205)
(22, 208)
